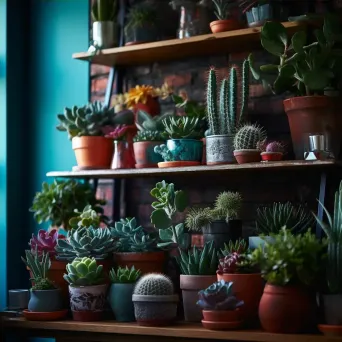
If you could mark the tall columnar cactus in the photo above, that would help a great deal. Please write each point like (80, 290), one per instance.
(244, 91)
(212, 110)
(248, 137)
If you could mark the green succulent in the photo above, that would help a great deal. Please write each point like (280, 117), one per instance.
(150, 136)
(85, 242)
(239, 246)
(147, 122)
(181, 127)
(198, 218)
(84, 272)
(227, 205)
(104, 10)
(165, 153)
(124, 275)
(88, 217)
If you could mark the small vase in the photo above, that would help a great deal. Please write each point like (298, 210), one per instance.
(123, 155)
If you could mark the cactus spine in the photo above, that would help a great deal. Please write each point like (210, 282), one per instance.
(213, 114)
(248, 137)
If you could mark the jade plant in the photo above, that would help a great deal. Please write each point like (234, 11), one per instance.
(249, 137)
(149, 136)
(181, 127)
(124, 275)
(104, 10)
(305, 67)
(87, 218)
(45, 242)
(223, 8)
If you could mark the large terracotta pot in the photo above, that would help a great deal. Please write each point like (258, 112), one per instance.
(152, 106)
(93, 152)
(249, 288)
(310, 115)
(144, 154)
(286, 309)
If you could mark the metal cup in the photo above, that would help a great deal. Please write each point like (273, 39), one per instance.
(317, 143)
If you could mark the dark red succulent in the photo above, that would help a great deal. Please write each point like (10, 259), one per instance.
(235, 263)
(45, 241)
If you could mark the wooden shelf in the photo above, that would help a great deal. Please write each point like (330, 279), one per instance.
(192, 170)
(182, 331)
(173, 49)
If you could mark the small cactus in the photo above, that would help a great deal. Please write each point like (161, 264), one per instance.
(154, 284)
(275, 146)
(248, 137)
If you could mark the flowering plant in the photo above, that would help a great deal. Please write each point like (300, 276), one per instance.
(45, 242)
(116, 133)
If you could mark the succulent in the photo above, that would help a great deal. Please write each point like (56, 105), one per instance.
(166, 154)
(228, 205)
(199, 262)
(124, 275)
(198, 218)
(248, 137)
(87, 218)
(104, 10)
(149, 136)
(235, 263)
(223, 8)
(218, 296)
(224, 118)
(84, 272)
(116, 133)
(146, 122)
(239, 246)
(39, 266)
(295, 218)
(86, 242)
(181, 127)
(45, 241)
(154, 284)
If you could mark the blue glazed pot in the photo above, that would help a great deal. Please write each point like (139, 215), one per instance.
(45, 300)
(120, 300)
(258, 15)
(185, 149)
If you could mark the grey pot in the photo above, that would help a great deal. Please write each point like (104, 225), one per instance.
(104, 34)
(45, 300)
(18, 299)
(256, 241)
(219, 149)
(333, 309)
(155, 310)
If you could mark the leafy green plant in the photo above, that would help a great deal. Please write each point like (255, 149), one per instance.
(181, 127)
(124, 275)
(290, 259)
(249, 137)
(296, 219)
(146, 122)
(199, 262)
(104, 10)
(57, 201)
(223, 8)
(140, 15)
(87, 218)
(304, 67)
(198, 218)
(150, 136)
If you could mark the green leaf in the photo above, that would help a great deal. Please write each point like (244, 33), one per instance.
(320, 37)
(82, 269)
(298, 41)
(274, 38)
(160, 219)
(269, 68)
(317, 79)
(166, 234)
(181, 200)
(164, 244)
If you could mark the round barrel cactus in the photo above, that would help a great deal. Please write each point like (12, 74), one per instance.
(154, 284)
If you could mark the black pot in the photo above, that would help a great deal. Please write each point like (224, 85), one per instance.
(222, 232)
(141, 34)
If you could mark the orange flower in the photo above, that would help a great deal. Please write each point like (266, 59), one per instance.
(139, 94)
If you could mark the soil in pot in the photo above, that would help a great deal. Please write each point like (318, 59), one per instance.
(271, 156)
(120, 300)
(247, 156)
(332, 309)
(218, 26)
(222, 232)
(144, 154)
(45, 300)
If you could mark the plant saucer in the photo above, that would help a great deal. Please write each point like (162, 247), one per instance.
(330, 330)
(45, 316)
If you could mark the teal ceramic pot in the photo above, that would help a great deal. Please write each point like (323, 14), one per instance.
(120, 300)
(185, 149)
(45, 300)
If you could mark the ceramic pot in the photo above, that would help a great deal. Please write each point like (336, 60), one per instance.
(147, 262)
(311, 115)
(197, 240)
(286, 309)
(141, 34)
(219, 149)
(222, 232)
(190, 285)
(104, 34)
(247, 156)
(333, 309)
(45, 300)
(152, 107)
(120, 300)
(144, 154)
(258, 15)
(155, 310)
(185, 149)
(123, 155)
(18, 299)
(271, 156)
(93, 152)
(222, 316)
(87, 302)
(218, 26)
(249, 288)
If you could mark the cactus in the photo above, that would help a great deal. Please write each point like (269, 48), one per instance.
(104, 10)
(145, 122)
(150, 136)
(45, 241)
(228, 205)
(212, 109)
(248, 137)
(198, 218)
(84, 272)
(87, 218)
(154, 284)
(181, 127)
(275, 146)
(124, 275)
(85, 242)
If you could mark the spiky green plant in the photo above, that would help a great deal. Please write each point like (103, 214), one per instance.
(181, 127)
(104, 10)
(124, 275)
(223, 8)
(87, 218)
(198, 218)
(248, 137)
(239, 246)
(227, 205)
(146, 122)
(150, 136)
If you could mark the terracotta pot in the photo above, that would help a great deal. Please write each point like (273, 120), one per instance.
(271, 156)
(247, 156)
(197, 240)
(249, 288)
(222, 316)
(93, 152)
(178, 164)
(148, 262)
(310, 115)
(152, 106)
(190, 285)
(218, 26)
(123, 157)
(286, 309)
(144, 154)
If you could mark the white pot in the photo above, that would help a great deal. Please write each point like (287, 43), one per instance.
(104, 34)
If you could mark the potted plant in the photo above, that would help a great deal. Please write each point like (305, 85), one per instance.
(45, 298)
(225, 21)
(87, 288)
(183, 147)
(87, 218)
(272, 151)
(121, 291)
(104, 23)
(309, 110)
(220, 307)
(198, 268)
(246, 143)
(141, 25)
(155, 303)
(136, 247)
(224, 119)
(290, 264)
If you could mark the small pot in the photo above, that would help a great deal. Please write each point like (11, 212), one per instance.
(120, 300)
(258, 15)
(333, 309)
(218, 26)
(144, 154)
(271, 156)
(87, 302)
(147, 262)
(152, 107)
(219, 149)
(144, 33)
(247, 156)
(104, 34)
(168, 164)
(155, 310)
(190, 285)
(185, 149)
(18, 299)
(45, 300)
(123, 157)
(93, 152)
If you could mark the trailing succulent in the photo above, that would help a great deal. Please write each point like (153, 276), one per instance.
(45, 242)
(249, 137)
(150, 136)
(87, 218)
(124, 275)
(132, 238)
(219, 296)
(181, 127)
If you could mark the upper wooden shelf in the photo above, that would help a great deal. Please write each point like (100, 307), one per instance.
(192, 170)
(173, 49)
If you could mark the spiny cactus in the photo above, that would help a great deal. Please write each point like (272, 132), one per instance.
(198, 218)
(154, 284)
(248, 137)
(275, 146)
(124, 275)
(228, 205)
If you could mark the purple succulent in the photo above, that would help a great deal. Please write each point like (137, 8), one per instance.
(275, 146)
(116, 133)
(219, 296)
(45, 242)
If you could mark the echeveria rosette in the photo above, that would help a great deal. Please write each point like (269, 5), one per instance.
(219, 296)
(45, 241)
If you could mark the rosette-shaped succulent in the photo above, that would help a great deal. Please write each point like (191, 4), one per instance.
(45, 241)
